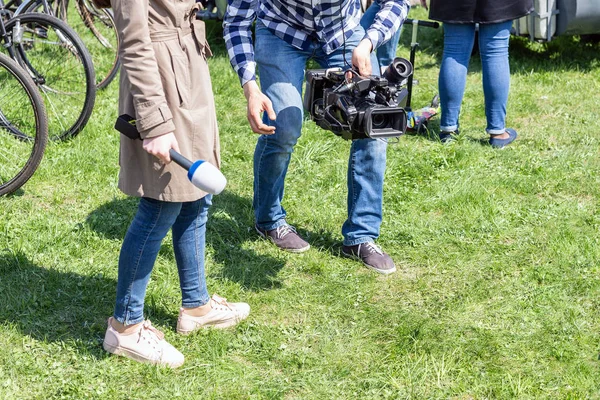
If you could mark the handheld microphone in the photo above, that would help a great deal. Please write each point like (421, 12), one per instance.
(202, 174)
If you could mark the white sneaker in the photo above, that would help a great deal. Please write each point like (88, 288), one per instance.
(146, 344)
(222, 315)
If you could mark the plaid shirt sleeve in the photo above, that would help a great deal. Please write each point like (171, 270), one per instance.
(387, 21)
(237, 24)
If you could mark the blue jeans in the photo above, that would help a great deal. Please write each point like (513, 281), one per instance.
(387, 51)
(142, 242)
(493, 50)
(281, 69)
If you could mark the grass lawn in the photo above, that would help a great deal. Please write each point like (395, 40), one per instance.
(497, 291)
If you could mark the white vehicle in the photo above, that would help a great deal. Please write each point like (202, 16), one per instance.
(553, 18)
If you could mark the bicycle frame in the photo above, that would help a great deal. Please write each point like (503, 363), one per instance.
(4, 36)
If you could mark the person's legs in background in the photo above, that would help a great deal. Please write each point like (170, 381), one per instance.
(458, 44)
(493, 50)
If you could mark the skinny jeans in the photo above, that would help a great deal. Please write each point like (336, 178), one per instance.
(142, 243)
(493, 50)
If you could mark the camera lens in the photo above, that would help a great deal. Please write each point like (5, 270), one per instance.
(380, 121)
(398, 70)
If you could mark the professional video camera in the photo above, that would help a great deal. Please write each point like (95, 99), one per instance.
(361, 107)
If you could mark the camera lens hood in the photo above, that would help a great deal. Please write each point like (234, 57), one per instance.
(399, 70)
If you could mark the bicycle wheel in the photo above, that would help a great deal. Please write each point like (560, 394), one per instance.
(96, 27)
(23, 126)
(60, 65)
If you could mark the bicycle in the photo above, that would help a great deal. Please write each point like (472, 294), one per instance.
(23, 126)
(58, 62)
(95, 26)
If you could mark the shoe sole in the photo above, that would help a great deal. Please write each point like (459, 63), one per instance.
(119, 351)
(381, 271)
(220, 325)
(300, 250)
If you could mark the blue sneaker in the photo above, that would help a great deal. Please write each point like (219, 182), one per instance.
(500, 143)
(447, 137)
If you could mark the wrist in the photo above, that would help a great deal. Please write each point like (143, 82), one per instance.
(367, 44)
(250, 87)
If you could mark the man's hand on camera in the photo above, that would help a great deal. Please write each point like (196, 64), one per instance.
(257, 104)
(159, 146)
(361, 57)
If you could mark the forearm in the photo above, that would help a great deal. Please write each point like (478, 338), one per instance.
(388, 20)
(237, 24)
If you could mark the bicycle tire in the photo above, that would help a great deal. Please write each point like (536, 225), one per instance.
(68, 114)
(12, 179)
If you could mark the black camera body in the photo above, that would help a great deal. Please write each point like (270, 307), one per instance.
(363, 107)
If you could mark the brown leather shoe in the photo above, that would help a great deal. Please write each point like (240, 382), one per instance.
(372, 256)
(284, 237)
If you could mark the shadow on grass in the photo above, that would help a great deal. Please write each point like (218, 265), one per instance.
(51, 305)
(229, 228)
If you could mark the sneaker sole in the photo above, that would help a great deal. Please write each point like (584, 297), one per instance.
(381, 271)
(119, 351)
(220, 325)
(300, 250)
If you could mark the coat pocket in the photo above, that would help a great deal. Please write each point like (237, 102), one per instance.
(181, 73)
(199, 29)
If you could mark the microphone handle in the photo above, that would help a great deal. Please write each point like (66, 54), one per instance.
(180, 160)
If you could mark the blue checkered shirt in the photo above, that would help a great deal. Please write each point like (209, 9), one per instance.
(297, 22)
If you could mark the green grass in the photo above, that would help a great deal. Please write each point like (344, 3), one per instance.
(497, 289)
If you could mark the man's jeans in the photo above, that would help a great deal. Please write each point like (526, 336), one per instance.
(387, 51)
(281, 69)
(493, 50)
(142, 242)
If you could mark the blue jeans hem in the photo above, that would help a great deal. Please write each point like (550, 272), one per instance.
(452, 128)
(126, 321)
(274, 225)
(357, 241)
(195, 303)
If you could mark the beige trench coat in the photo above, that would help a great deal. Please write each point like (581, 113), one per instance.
(166, 85)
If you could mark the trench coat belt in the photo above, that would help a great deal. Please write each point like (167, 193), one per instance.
(170, 34)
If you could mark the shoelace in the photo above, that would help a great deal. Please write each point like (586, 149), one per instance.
(371, 248)
(283, 230)
(152, 332)
(220, 301)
